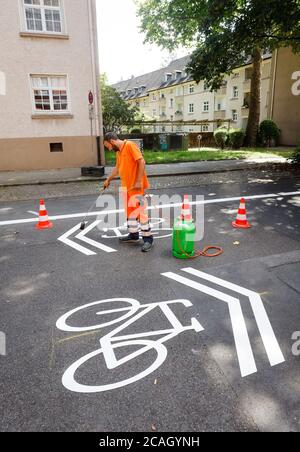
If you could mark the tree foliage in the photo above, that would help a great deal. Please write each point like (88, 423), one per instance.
(223, 34)
(116, 112)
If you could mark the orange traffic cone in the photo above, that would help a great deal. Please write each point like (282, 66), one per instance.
(186, 209)
(241, 221)
(44, 222)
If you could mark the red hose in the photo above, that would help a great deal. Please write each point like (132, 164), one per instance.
(199, 253)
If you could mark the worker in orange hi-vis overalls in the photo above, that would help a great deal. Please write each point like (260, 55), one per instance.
(131, 169)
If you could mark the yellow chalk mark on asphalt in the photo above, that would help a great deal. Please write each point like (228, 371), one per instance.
(52, 353)
(72, 338)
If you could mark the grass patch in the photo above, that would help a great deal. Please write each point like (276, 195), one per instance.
(156, 157)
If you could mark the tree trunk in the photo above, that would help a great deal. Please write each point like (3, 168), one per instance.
(254, 108)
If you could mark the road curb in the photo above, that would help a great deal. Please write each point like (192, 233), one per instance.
(256, 166)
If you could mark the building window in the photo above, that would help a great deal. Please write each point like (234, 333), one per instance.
(171, 103)
(192, 89)
(43, 16)
(205, 128)
(234, 115)
(206, 87)
(235, 92)
(50, 94)
(206, 106)
(153, 97)
(56, 147)
(191, 108)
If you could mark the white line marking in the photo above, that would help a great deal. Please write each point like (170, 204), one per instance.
(265, 328)
(100, 246)
(65, 239)
(164, 206)
(33, 213)
(241, 338)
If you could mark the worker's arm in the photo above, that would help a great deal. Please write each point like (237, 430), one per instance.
(113, 175)
(139, 175)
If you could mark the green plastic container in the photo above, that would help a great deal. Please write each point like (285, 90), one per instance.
(184, 233)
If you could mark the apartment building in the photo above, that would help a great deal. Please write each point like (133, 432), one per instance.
(170, 94)
(48, 66)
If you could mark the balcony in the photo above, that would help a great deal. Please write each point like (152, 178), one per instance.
(247, 86)
(220, 114)
(245, 112)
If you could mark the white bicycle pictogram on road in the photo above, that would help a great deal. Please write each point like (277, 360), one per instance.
(158, 231)
(131, 311)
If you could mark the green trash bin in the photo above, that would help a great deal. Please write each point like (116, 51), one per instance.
(164, 142)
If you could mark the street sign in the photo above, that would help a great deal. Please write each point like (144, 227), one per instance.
(91, 98)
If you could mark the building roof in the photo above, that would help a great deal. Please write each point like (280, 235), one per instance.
(154, 80)
(140, 86)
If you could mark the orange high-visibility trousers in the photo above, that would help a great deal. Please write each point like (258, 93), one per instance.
(136, 210)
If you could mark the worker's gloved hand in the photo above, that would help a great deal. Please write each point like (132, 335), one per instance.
(106, 184)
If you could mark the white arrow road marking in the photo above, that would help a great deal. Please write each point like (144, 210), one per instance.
(65, 239)
(241, 338)
(81, 236)
(100, 246)
(165, 206)
(265, 328)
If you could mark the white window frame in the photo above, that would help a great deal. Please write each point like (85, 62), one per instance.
(191, 109)
(235, 90)
(206, 106)
(235, 116)
(192, 89)
(50, 112)
(205, 128)
(42, 7)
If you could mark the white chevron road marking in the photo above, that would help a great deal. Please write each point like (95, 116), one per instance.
(240, 333)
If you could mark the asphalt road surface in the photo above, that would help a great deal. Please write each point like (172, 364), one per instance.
(96, 336)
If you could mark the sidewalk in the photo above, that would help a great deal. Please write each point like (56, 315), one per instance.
(19, 178)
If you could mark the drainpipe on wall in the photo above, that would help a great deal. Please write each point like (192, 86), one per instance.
(274, 83)
(96, 77)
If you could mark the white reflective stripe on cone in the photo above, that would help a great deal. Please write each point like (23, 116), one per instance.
(242, 217)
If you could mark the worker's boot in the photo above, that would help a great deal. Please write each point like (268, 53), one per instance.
(148, 245)
(130, 238)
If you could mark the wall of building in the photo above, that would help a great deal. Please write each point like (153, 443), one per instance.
(222, 103)
(285, 105)
(24, 135)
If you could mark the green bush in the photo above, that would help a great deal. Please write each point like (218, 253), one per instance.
(269, 132)
(236, 138)
(220, 136)
(296, 156)
(136, 131)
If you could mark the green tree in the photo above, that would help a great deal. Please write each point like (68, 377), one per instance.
(224, 35)
(116, 112)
